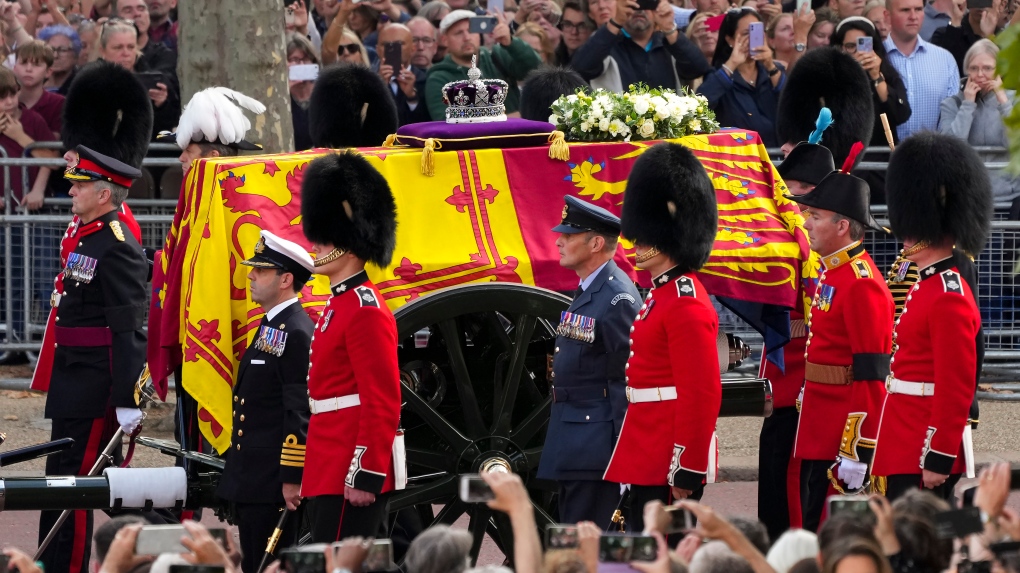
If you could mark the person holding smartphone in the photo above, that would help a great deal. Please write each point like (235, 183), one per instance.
(406, 82)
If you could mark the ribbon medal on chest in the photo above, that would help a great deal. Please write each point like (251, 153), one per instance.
(325, 320)
(901, 272)
(825, 295)
(271, 340)
(80, 268)
(576, 326)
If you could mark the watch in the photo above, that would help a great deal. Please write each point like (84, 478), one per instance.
(800, 46)
(773, 71)
(880, 79)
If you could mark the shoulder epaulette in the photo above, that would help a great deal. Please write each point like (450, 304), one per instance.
(366, 296)
(117, 230)
(861, 269)
(685, 287)
(951, 281)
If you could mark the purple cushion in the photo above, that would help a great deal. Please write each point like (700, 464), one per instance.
(513, 132)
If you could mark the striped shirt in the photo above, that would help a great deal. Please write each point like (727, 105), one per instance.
(930, 76)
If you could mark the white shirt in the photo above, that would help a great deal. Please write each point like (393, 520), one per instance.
(276, 309)
(395, 88)
(591, 278)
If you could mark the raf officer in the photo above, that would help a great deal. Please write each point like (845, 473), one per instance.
(267, 448)
(100, 343)
(589, 388)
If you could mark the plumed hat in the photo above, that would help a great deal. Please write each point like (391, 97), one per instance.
(544, 86)
(810, 162)
(937, 187)
(826, 77)
(108, 110)
(350, 107)
(670, 204)
(347, 203)
(843, 193)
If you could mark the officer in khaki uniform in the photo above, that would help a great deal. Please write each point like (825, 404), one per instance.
(266, 457)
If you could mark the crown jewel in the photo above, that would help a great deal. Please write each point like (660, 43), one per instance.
(475, 100)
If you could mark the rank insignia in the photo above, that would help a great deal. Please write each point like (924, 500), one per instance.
(80, 268)
(325, 320)
(825, 295)
(366, 297)
(271, 340)
(260, 247)
(685, 287)
(951, 282)
(576, 326)
(118, 232)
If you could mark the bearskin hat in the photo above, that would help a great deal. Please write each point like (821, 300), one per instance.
(350, 107)
(937, 187)
(108, 110)
(828, 78)
(347, 203)
(544, 86)
(670, 204)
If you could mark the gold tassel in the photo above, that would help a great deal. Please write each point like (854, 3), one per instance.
(391, 140)
(428, 162)
(558, 148)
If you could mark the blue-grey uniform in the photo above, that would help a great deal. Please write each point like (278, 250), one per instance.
(589, 386)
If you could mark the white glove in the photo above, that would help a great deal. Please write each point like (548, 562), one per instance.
(129, 418)
(852, 473)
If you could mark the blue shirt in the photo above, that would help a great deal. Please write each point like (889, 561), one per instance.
(933, 20)
(591, 278)
(930, 76)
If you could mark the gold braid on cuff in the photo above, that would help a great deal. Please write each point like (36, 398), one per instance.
(332, 256)
(645, 256)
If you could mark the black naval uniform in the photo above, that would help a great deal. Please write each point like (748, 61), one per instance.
(270, 427)
(100, 353)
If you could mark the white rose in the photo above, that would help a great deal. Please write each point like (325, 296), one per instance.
(604, 124)
(695, 125)
(646, 129)
(554, 119)
(585, 126)
(640, 105)
(572, 98)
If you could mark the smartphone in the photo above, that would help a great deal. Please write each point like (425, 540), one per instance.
(379, 557)
(680, 520)
(149, 79)
(559, 536)
(496, 7)
(304, 72)
(303, 559)
(4, 563)
(645, 548)
(967, 495)
(393, 55)
(865, 44)
(801, 4)
(963, 83)
(647, 4)
(288, 16)
(157, 539)
(978, 4)
(473, 489)
(220, 535)
(852, 504)
(756, 32)
(615, 548)
(482, 24)
(958, 523)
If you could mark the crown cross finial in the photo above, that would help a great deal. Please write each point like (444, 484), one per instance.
(474, 74)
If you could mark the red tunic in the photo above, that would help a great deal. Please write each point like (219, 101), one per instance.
(673, 343)
(849, 325)
(934, 344)
(353, 351)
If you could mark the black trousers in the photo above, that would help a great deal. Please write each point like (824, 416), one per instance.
(255, 524)
(899, 484)
(71, 549)
(814, 488)
(775, 448)
(642, 494)
(331, 518)
(588, 500)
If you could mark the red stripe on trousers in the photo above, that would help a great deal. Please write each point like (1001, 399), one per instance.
(793, 493)
(80, 519)
(340, 526)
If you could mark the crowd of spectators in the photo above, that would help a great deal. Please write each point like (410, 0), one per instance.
(907, 536)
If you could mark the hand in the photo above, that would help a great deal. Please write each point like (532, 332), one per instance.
(1009, 521)
(511, 497)
(739, 54)
(931, 479)
(129, 418)
(292, 495)
(852, 472)
(20, 561)
(870, 62)
(33, 201)
(885, 532)
(501, 33)
(120, 557)
(386, 73)
(406, 81)
(588, 535)
(300, 17)
(346, 7)
(957, 11)
(357, 497)
(350, 554)
(661, 563)
(971, 89)
(679, 493)
(159, 94)
(989, 21)
(624, 9)
(802, 23)
(204, 548)
(9, 12)
(710, 525)
(13, 127)
(769, 9)
(763, 55)
(663, 17)
(655, 517)
(688, 546)
(992, 489)
(525, 8)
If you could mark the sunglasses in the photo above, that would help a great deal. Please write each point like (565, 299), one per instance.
(351, 49)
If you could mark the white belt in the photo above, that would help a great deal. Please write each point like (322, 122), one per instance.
(897, 386)
(333, 404)
(661, 394)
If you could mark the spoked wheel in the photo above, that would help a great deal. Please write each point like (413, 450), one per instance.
(475, 396)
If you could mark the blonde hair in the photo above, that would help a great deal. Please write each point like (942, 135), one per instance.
(353, 38)
(116, 26)
(548, 50)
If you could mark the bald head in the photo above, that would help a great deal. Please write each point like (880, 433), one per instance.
(396, 33)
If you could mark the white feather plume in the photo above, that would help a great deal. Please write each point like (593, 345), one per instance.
(213, 115)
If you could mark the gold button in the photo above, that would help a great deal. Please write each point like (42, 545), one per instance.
(242, 417)
(242, 401)
(240, 432)
(235, 398)
(234, 413)
(239, 446)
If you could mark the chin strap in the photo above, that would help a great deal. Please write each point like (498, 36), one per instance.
(329, 258)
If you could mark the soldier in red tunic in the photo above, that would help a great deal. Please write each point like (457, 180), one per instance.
(939, 196)
(846, 357)
(349, 215)
(673, 384)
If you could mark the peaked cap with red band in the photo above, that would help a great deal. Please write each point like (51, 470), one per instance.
(94, 166)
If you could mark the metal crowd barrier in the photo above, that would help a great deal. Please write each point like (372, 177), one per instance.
(29, 244)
